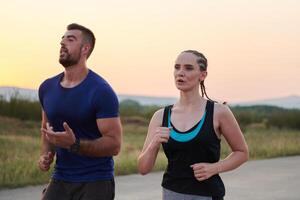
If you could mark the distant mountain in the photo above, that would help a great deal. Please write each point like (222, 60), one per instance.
(8, 92)
(147, 100)
(284, 102)
(290, 102)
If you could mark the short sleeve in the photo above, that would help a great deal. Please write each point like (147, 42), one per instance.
(106, 103)
(41, 92)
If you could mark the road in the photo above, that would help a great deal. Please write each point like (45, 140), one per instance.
(271, 179)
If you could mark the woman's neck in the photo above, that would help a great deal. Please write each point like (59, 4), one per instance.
(190, 99)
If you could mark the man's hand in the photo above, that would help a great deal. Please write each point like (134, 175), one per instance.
(45, 161)
(63, 139)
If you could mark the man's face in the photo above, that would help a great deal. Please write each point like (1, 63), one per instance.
(71, 45)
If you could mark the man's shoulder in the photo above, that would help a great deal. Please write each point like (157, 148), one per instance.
(99, 82)
(97, 78)
(50, 81)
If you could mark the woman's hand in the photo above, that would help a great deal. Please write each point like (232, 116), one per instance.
(203, 171)
(161, 135)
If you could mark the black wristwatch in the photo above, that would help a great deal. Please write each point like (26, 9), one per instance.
(74, 148)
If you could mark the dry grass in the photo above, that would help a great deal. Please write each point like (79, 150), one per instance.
(20, 144)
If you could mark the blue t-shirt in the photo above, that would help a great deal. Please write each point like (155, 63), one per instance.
(79, 106)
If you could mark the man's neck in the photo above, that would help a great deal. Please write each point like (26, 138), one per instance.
(73, 75)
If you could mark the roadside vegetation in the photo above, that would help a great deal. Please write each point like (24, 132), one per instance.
(269, 131)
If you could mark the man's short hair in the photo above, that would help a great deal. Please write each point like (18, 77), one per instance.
(88, 35)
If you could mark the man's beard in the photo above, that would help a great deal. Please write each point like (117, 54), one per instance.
(69, 60)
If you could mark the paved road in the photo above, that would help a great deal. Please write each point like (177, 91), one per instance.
(272, 179)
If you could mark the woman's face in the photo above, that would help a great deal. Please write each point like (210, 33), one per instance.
(187, 72)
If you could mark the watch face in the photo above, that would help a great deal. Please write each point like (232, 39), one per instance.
(75, 147)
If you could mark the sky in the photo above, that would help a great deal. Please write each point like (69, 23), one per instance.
(252, 47)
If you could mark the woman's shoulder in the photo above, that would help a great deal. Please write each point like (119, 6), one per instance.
(221, 109)
(158, 115)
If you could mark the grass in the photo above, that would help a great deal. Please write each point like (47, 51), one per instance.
(20, 144)
(126, 161)
(18, 164)
(270, 143)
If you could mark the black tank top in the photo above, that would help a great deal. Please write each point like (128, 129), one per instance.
(204, 147)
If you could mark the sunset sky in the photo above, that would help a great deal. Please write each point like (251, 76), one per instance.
(253, 47)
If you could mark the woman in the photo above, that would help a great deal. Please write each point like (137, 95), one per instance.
(190, 132)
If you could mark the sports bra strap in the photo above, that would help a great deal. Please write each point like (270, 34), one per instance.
(165, 117)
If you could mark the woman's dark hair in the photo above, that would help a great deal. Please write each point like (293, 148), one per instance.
(202, 62)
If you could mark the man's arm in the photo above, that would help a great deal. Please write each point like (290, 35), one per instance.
(107, 145)
(110, 142)
(46, 146)
(47, 149)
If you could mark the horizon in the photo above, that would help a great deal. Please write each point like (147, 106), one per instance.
(175, 97)
(252, 48)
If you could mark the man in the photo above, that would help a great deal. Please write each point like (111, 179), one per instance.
(80, 125)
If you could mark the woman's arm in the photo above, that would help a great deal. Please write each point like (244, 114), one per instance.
(155, 136)
(229, 128)
(225, 124)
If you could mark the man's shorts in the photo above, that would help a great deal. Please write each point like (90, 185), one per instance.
(62, 190)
